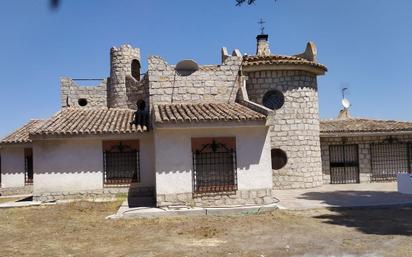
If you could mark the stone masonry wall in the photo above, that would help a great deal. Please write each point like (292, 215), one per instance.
(71, 92)
(120, 67)
(26, 190)
(105, 193)
(363, 143)
(294, 127)
(137, 90)
(209, 84)
(240, 197)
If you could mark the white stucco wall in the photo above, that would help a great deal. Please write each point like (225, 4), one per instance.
(12, 166)
(67, 165)
(73, 165)
(173, 151)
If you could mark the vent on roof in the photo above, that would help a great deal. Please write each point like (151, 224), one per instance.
(186, 67)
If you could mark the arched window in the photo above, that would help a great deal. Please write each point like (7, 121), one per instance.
(136, 69)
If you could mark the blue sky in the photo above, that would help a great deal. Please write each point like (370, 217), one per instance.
(365, 44)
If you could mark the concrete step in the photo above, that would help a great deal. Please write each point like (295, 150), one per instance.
(141, 201)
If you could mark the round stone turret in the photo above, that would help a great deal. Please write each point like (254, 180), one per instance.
(124, 61)
(288, 86)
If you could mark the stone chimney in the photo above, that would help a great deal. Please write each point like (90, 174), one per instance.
(262, 48)
(344, 114)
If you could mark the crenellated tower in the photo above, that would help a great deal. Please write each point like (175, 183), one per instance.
(124, 62)
(288, 86)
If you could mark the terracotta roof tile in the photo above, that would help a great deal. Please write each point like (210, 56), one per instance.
(363, 125)
(78, 121)
(21, 135)
(280, 59)
(205, 112)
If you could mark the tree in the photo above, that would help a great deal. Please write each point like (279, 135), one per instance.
(249, 2)
(240, 2)
(54, 4)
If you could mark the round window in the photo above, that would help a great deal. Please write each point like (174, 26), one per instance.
(273, 99)
(279, 159)
(82, 101)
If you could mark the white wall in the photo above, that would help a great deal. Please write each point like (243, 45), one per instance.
(173, 151)
(67, 165)
(12, 166)
(77, 164)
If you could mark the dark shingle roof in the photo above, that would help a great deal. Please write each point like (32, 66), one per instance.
(363, 125)
(21, 135)
(279, 59)
(205, 112)
(79, 121)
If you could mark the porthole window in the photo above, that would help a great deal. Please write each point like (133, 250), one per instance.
(279, 158)
(273, 100)
(82, 101)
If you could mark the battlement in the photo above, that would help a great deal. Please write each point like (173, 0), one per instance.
(74, 95)
(206, 83)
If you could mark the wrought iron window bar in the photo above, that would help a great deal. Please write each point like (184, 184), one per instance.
(390, 158)
(121, 165)
(214, 169)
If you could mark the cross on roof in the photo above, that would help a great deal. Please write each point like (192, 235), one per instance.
(262, 28)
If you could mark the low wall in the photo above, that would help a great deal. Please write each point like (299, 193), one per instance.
(26, 190)
(240, 197)
(108, 193)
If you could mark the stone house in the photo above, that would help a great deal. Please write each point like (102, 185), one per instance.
(188, 134)
(364, 150)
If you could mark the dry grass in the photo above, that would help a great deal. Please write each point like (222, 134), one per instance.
(9, 199)
(80, 229)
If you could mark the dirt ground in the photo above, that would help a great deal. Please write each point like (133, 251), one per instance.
(80, 229)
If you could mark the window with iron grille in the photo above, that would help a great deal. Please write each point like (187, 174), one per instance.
(28, 166)
(214, 168)
(273, 99)
(121, 165)
(344, 164)
(389, 158)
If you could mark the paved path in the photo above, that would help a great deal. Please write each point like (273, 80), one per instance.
(348, 195)
(148, 212)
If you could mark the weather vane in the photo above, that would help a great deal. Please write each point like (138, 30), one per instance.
(262, 28)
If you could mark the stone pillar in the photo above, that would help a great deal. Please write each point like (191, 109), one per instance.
(120, 66)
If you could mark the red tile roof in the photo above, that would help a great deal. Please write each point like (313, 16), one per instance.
(205, 112)
(88, 121)
(279, 59)
(21, 135)
(355, 125)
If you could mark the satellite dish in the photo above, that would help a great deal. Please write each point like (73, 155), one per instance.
(345, 103)
(186, 67)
